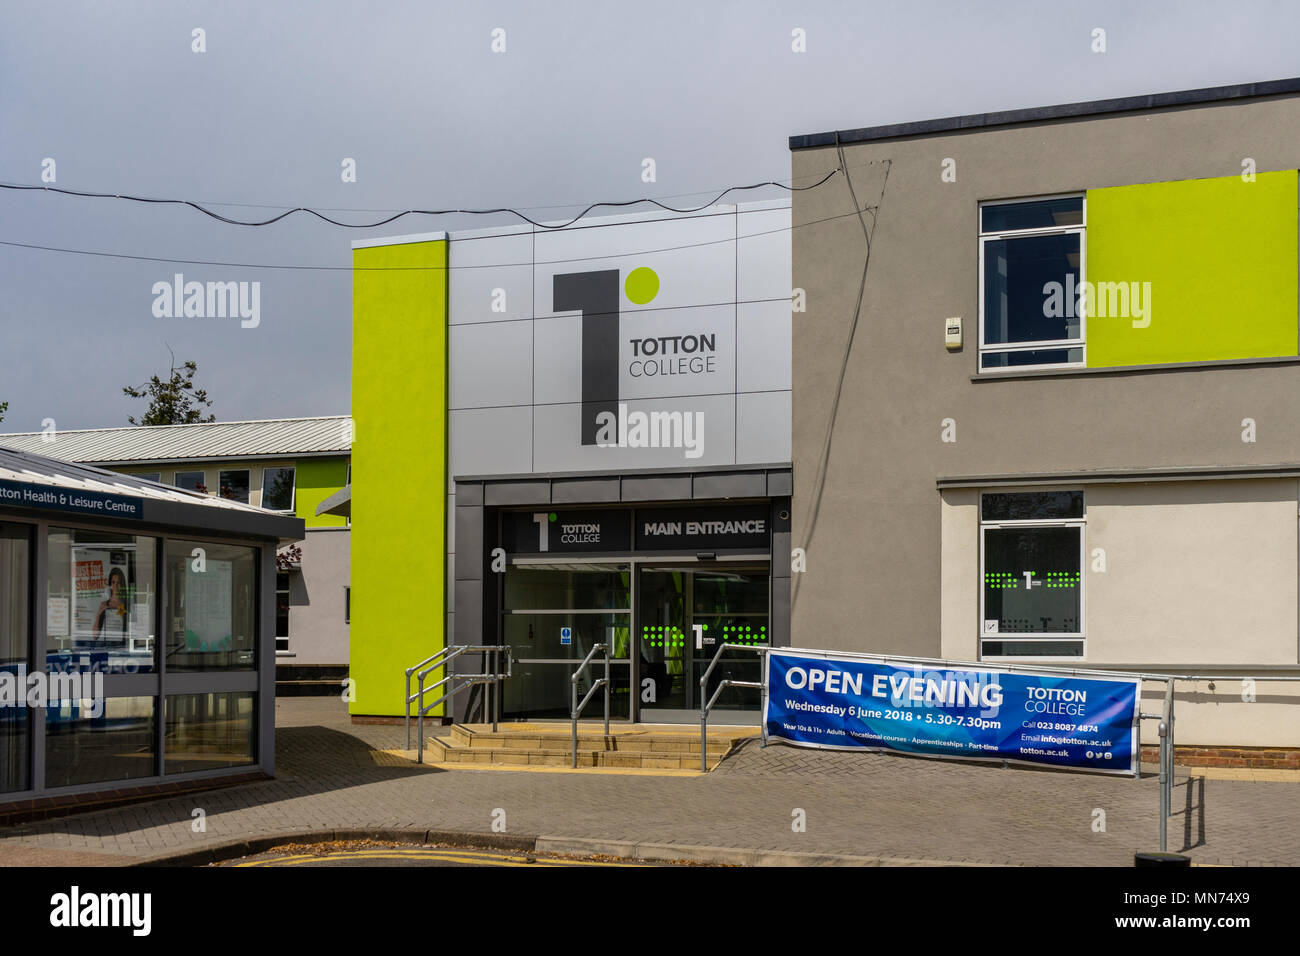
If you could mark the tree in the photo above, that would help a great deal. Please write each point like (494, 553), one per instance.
(173, 402)
(4, 407)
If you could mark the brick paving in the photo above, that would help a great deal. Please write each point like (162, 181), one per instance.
(855, 804)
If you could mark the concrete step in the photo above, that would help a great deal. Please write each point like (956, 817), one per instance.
(443, 750)
(683, 742)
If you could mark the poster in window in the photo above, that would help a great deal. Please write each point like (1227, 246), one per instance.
(104, 594)
(208, 607)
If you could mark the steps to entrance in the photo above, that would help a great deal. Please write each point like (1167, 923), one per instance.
(548, 745)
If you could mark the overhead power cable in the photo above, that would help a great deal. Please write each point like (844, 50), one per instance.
(780, 183)
(448, 268)
(823, 464)
(408, 212)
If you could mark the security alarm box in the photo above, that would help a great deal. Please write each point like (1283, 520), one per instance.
(952, 333)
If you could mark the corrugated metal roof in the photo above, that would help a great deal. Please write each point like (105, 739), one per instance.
(17, 465)
(270, 438)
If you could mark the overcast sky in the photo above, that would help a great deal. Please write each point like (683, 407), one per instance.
(116, 96)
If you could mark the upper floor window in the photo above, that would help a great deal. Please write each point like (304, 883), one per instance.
(1032, 257)
(277, 489)
(191, 481)
(234, 484)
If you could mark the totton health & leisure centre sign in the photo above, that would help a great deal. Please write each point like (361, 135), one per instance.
(70, 499)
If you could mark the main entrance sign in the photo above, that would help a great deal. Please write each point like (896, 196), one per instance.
(691, 528)
(843, 703)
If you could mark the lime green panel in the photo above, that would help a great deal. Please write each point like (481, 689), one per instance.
(399, 467)
(316, 479)
(1210, 265)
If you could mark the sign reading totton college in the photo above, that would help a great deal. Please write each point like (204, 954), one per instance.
(566, 532)
(850, 704)
(70, 499)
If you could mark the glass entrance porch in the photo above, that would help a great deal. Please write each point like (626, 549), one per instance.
(662, 621)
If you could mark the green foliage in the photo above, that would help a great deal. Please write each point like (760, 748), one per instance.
(172, 402)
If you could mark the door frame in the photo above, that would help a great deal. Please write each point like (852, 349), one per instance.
(690, 566)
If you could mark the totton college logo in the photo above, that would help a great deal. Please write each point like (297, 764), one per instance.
(596, 296)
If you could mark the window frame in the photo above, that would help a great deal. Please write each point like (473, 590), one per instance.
(248, 484)
(176, 477)
(288, 589)
(1082, 231)
(1056, 637)
(293, 489)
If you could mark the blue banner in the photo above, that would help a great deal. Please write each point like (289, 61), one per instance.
(844, 703)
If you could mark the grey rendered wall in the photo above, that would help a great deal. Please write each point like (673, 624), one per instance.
(318, 631)
(873, 578)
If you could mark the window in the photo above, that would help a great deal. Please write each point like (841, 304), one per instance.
(209, 731)
(233, 485)
(15, 620)
(347, 604)
(100, 598)
(1031, 564)
(149, 476)
(277, 489)
(191, 481)
(211, 606)
(1032, 259)
(281, 611)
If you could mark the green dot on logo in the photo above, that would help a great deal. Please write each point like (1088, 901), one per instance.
(641, 285)
(552, 515)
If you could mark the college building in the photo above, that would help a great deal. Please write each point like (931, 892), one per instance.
(1057, 421)
(568, 437)
(290, 466)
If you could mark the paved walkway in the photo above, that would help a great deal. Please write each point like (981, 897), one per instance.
(853, 804)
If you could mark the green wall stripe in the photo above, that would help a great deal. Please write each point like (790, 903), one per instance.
(1217, 258)
(399, 467)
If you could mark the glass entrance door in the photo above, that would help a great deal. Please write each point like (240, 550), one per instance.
(685, 612)
(552, 616)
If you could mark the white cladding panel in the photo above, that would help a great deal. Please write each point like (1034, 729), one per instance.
(697, 374)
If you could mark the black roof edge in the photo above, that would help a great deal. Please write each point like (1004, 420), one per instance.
(1123, 104)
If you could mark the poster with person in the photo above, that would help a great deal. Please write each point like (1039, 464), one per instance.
(103, 593)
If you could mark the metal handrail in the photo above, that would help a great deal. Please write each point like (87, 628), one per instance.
(443, 658)
(705, 707)
(577, 707)
(409, 698)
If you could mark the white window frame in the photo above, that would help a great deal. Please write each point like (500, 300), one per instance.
(1056, 637)
(287, 650)
(1079, 343)
(293, 493)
